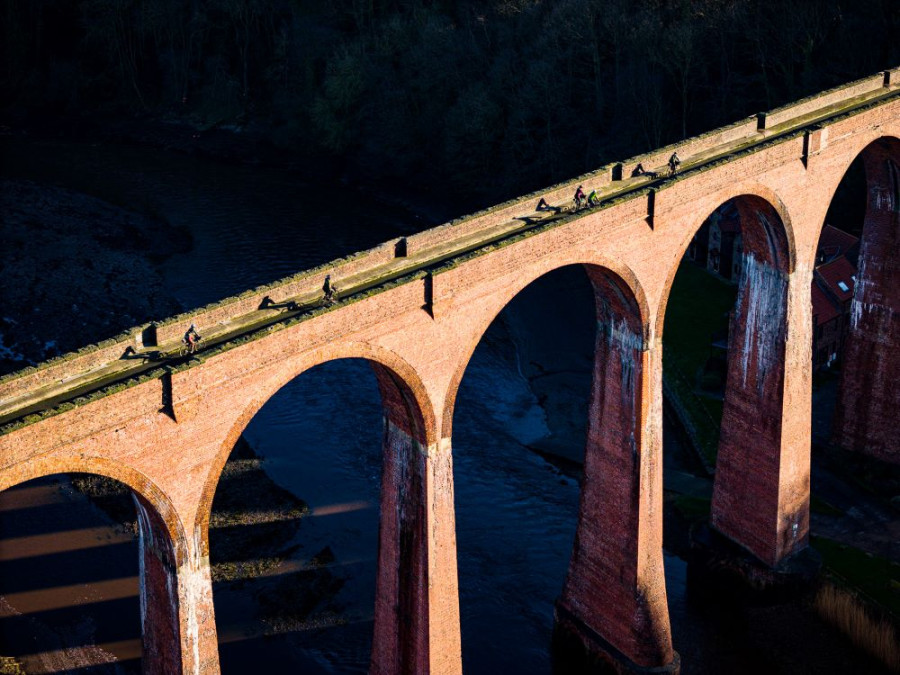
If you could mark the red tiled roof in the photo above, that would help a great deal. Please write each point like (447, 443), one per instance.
(834, 242)
(833, 274)
(824, 309)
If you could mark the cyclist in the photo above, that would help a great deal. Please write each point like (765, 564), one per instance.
(579, 197)
(674, 161)
(329, 290)
(191, 339)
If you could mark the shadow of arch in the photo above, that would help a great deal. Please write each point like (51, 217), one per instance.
(404, 397)
(139, 483)
(777, 244)
(606, 275)
(163, 549)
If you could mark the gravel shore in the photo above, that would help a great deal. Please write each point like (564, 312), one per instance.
(75, 270)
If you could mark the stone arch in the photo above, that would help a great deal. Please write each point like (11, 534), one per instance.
(613, 600)
(852, 148)
(753, 196)
(401, 388)
(753, 409)
(401, 618)
(848, 151)
(163, 550)
(868, 394)
(609, 274)
(139, 483)
(880, 154)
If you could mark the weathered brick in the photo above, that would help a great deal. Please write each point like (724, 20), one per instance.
(169, 439)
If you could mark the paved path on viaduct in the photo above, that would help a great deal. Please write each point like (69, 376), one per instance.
(416, 308)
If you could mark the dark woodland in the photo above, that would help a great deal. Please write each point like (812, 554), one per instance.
(477, 99)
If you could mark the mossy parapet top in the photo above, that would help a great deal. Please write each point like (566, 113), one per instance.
(41, 389)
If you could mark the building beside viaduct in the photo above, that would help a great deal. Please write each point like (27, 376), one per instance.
(416, 308)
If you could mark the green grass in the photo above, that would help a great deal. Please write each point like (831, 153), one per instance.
(692, 508)
(701, 426)
(10, 666)
(714, 407)
(819, 505)
(853, 617)
(876, 577)
(698, 308)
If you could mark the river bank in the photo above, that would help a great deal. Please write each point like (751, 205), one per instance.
(76, 270)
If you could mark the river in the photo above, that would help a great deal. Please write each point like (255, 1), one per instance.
(319, 438)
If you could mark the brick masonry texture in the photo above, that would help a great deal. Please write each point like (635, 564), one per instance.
(171, 452)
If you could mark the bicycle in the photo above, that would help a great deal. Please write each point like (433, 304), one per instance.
(330, 298)
(189, 346)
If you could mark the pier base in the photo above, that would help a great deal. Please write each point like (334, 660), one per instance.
(579, 649)
(718, 567)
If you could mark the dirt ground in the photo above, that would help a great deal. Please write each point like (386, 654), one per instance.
(75, 270)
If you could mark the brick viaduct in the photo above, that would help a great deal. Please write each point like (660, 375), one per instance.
(418, 309)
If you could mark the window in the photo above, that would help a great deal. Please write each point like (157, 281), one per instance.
(843, 286)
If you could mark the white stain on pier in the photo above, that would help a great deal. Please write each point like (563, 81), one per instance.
(761, 294)
(619, 338)
(144, 539)
(867, 297)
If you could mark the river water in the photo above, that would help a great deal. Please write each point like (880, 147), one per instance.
(320, 437)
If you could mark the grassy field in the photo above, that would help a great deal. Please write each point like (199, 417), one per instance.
(698, 309)
(876, 577)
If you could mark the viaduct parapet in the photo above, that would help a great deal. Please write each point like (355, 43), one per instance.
(416, 308)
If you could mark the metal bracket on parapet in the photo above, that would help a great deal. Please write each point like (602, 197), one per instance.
(168, 406)
(761, 121)
(617, 171)
(813, 141)
(429, 294)
(887, 79)
(147, 336)
(651, 208)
